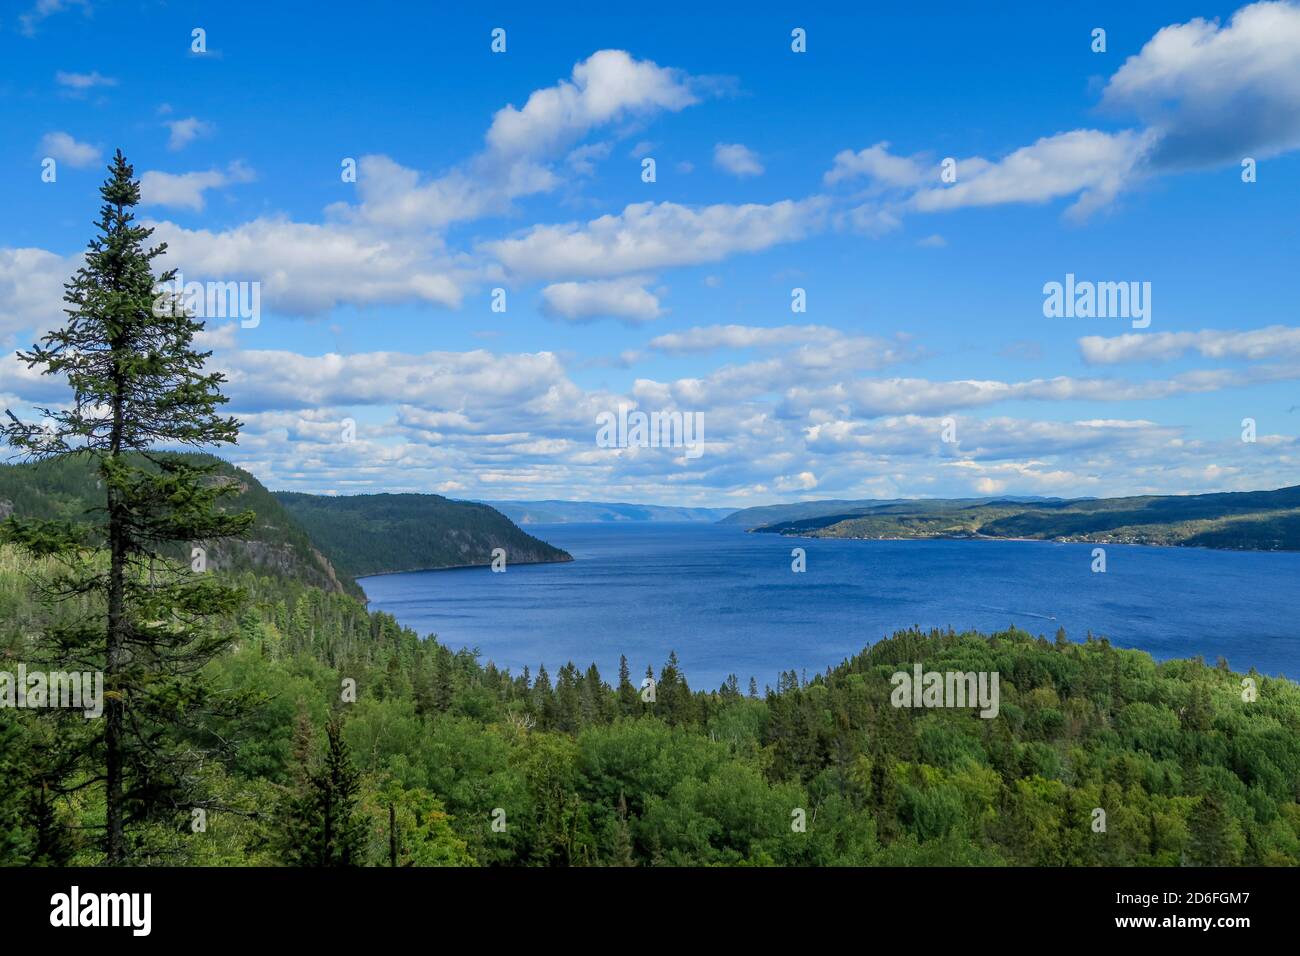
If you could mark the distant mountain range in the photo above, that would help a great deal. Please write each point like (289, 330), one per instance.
(563, 512)
(1253, 520)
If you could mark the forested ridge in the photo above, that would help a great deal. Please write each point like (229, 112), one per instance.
(322, 540)
(67, 488)
(1248, 521)
(463, 763)
(376, 534)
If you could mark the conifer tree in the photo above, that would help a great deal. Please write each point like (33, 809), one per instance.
(442, 690)
(568, 699)
(1215, 838)
(622, 851)
(138, 386)
(628, 701)
(319, 821)
(673, 693)
(596, 705)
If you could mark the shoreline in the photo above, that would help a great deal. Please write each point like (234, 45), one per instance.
(987, 537)
(455, 567)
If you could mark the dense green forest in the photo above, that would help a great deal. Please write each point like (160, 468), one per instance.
(443, 758)
(374, 534)
(320, 540)
(67, 488)
(1255, 520)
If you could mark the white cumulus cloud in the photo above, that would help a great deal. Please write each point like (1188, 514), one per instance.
(66, 149)
(736, 159)
(185, 190)
(624, 298)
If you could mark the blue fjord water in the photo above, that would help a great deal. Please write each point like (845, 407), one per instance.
(728, 602)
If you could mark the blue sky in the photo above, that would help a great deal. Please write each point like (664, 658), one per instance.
(774, 170)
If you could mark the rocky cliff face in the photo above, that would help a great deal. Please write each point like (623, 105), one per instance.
(279, 560)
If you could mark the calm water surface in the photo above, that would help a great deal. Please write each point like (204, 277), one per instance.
(727, 601)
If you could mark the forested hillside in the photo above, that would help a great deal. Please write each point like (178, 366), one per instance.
(831, 509)
(66, 488)
(375, 534)
(444, 759)
(322, 541)
(1257, 520)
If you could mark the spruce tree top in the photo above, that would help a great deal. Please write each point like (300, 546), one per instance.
(127, 351)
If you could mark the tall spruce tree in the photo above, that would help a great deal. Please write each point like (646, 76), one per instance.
(629, 702)
(319, 822)
(138, 386)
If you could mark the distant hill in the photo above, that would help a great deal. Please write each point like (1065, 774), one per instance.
(66, 489)
(560, 512)
(1254, 520)
(765, 515)
(325, 542)
(376, 534)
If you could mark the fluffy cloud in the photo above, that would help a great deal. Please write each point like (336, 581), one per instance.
(605, 87)
(876, 163)
(270, 379)
(388, 247)
(1088, 164)
(992, 439)
(31, 289)
(515, 425)
(66, 149)
(308, 269)
(804, 481)
(709, 338)
(1213, 94)
(185, 190)
(1206, 94)
(809, 345)
(870, 219)
(182, 132)
(1276, 341)
(396, 197)
(736, 159)
(623, 298)
(870, 398)
(583, 159)
(647, 236)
